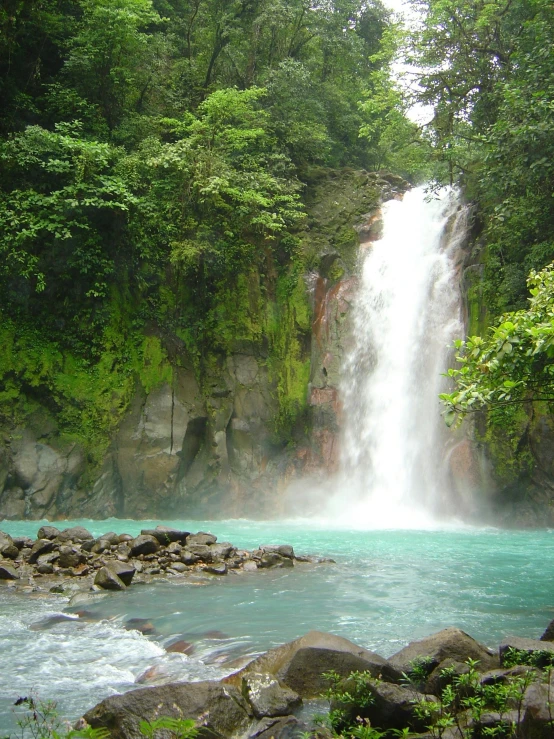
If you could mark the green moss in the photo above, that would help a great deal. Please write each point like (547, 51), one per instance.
(506, 439)
(153, 366)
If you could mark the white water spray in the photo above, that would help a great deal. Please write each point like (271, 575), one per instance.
(406, 315)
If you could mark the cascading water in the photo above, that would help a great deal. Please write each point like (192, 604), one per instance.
(406, 314)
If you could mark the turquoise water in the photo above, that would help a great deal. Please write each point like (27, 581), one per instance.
(386, 588)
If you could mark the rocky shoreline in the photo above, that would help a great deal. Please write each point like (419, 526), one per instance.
(74, 560)
(446, 686)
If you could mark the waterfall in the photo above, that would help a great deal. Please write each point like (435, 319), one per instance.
(405, 316)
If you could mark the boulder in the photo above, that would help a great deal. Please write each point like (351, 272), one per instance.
(202, 552)
(7, 546)
(75, 533)
(45, 568)
(223, 550)
(111, 537)
(48, 532)
(107, 579)
(188, 558)
(144, 544)
(438, 679)
(219, 569)
(288, 727)
(285, 550)
(451, 643)
(100, 546)
(301, 663)
(392, 707)
(528, 647)
(7, 572)
(166, 535)
(549, 632)
(123, 570)
(23, 542)
(70, 557)
(41, 546)
(538, 712)
(272, 559)
(268, 697)
(201, 538)
(220, 709)
(125, 537)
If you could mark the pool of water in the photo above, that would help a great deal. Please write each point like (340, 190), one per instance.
(386, 589)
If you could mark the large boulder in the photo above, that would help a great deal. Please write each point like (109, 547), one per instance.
(165, 535)
(268, 697)
(41, 546)
(107, 579)
(7, 572)
(451, 643)
(7, 547)
(70, 557)
(75, 533)
(287, 727)
(538, 712)
(144, 544)
(124, 570)
(301, 663)
(201, 538)
(48, 532)
(549, 632)
(220, 709)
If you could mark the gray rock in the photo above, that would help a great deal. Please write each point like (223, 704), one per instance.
(202, 552)
(188, 558)
(7, 546)
(7, 572)
(223, 550)
(144, 544)
(285, 550)
(107, 579)
(438, 680)
(70, 557)
(528, 646)
(300, 664)
(268, 697)
(218, 569)
(504, 675)
(179, 567)
(287, 727)
(451, 643)
(100, 546)
(75, 533)
(549, 632)
(111, 537)
(166, 535)
(272, 559)
(201, 538)
(125, 537)
(48, 532)
(220, 709)
(41, 546)
(174, 548)
(538, 712)
(124, 570)
(45, 568)
(23, 542)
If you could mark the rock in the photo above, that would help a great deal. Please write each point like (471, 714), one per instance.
(111, 537)
(23, 542)
(201, 538)
(125, 537)
(124, 570)
(301, 663)
(41, 546)
(285, 550)
(7, 546)
(451, 643)
(188, 558)
(548, 634)
(220, 569)
(250, 566)
(392, 707)
(538, 713)
(223, 550)
(174, 548)
(81, 598)
(100, 546)
(528, 646)
(166, 535)
(181, 647)
(7, 572)
(438, 680)
(48, 532)
(220, 709)
(45, 568)
(268, 697)
(87, 545)
(144, 544)
(75, 533)
(288, 727)
(272, 559)
(503, 676)
(47, 559)
(107, 579)
(179, 567)
(144, 625)
(50, 621)
(70, 557)
(202, 552)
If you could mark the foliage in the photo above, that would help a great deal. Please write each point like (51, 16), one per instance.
(42, 721)
(541, 658)
(176, 728)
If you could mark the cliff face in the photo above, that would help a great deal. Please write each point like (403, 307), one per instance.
(221, 437)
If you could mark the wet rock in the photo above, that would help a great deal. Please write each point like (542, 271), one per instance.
(75, 533)
(444, 674)
(287, 727)
(50, 621)
(41, 546)
(268, 697)
(166, 535)
(220, 709)
(181, 647)
(80, 599)
(144, 625)
(124, 570)
(538, 712)
(285, 550)
(70, 557)
(202, 552)
(201, 538)
(250, 566)
(179, 567)
(223, 550)
(188, 558)
(107, 579)
(513, 644)
(125, 537)
(272, 559)
(451, 643)
(23, 542)
(48, 532)
(144, 544)
(300, 664)
(45, 568)
(219, 569)
(7, 546)
(7, 572)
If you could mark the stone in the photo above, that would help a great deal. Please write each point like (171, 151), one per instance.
(47, 559)
(269, 560)
(201, 538)
(285, 550)
(223, 550)
(7, 572)
(111, 537)
(23, 542)
(107, 579)
(181, 647)
(174, 548)
(70, 557)
(450, 643)
(41, 546)
(219, 569)
(250, 566)
(124, 570)
(125, 537)
(202, 552)
(504, 675)
(144, 625)
(179, 567)
(268, 697)
(100, 546)
(287, 727)
(528, 646)
(300, 664)
(45, 568)
(7, 546)
(188, 558)
(548, 634)
(48, 532)
(144, 544)
(166, 535)
(75, 533)
(538, 712)
(438, 680)
(219, 708)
